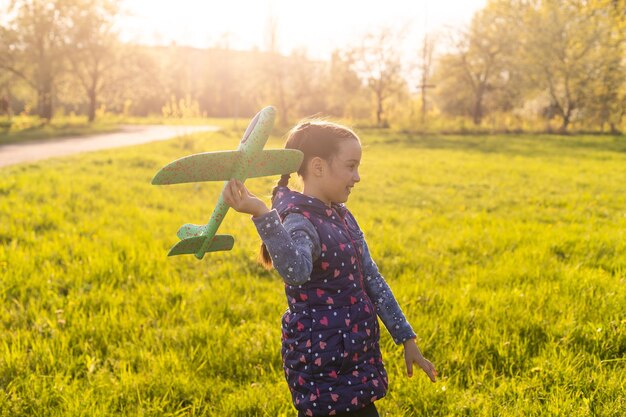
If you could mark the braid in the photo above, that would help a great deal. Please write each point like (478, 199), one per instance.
(282, 182)
(264, 256)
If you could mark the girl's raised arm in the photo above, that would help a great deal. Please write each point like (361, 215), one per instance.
(292, 245)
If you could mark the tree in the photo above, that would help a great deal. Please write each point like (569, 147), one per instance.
(453, 95)
(92, 47)
(33, 46)
(607, 103)
(344, 90)
(306, 84)
(139, 84)
(562, 44)
(481, 63)
(377, 62)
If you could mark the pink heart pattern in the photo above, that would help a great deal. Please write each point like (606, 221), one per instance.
(330, 307)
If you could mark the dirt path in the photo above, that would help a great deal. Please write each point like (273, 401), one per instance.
(129, 135)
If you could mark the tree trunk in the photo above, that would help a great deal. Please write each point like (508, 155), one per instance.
(93, 103)
(5, 104)
(565, 124)
(379, 110)
(44, 105)
(477, 114)
(47, 106)
(44, 99)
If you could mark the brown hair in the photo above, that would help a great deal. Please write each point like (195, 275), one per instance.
(315, 138)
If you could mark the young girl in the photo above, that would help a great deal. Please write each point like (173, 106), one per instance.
(330, 339)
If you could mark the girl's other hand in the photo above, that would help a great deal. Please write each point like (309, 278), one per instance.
(237, 196)
(413, 355)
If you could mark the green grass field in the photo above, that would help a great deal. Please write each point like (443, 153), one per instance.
(507, 255)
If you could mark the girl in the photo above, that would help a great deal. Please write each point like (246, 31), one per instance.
(330, 338)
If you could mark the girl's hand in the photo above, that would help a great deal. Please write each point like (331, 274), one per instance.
(237, 196)
(413, 355)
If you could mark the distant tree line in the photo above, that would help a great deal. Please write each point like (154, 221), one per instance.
(562, 60)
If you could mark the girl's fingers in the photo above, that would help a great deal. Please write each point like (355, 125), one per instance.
(409, 368)
(226, 195)
(245, 193)
(432, 373)
(230, 195)
(234, 190)
(242, 188)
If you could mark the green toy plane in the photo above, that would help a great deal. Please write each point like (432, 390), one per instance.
(248, 161)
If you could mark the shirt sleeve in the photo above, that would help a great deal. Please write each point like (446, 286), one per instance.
(293, 245)
(387, 307)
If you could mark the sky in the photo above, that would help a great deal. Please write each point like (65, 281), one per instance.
(316, 27)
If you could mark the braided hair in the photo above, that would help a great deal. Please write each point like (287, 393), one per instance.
(315, 138)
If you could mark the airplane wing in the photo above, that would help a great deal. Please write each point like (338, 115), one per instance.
(219, 166)
(206, 166)
(276, 161)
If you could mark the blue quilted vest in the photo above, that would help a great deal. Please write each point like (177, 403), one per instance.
(330, 338)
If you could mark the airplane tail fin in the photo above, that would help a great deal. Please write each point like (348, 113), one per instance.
(192, 245)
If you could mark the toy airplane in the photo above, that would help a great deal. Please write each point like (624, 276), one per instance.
(248, 161)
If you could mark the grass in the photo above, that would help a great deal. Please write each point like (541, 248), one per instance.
(507, 255)
(27, 128)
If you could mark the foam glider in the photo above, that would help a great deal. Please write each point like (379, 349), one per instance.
(248, 161)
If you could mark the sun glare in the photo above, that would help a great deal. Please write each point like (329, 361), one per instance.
(317, 28)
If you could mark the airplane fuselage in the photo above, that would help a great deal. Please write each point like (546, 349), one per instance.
(249, 150)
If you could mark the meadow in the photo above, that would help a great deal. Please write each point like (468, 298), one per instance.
(506, 253)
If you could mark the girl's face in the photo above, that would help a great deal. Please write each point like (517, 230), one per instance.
(343, 172)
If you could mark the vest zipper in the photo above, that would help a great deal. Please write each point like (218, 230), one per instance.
(358, 262)
(356, 251)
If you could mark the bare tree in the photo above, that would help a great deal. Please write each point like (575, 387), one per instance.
(480, 67)
(94, 47)
(377, 62)
(482, 54)
(344, 89)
